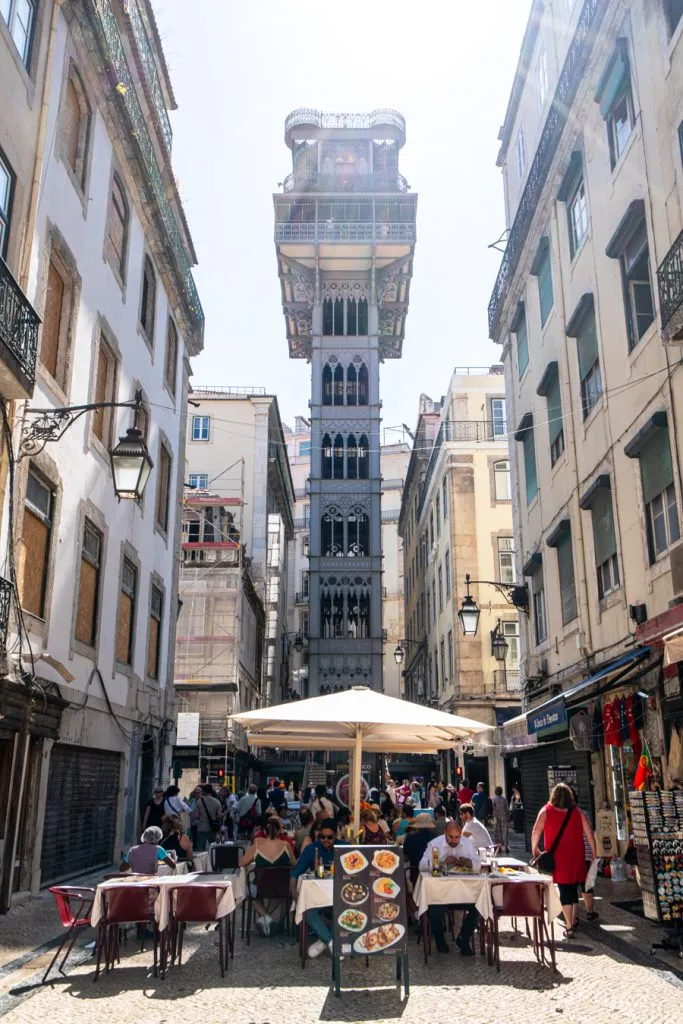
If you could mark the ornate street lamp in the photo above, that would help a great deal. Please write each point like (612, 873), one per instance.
(516, 594)
(469, 612)
(298, 643)
(399, 654)
(499, 645)
(131, 465)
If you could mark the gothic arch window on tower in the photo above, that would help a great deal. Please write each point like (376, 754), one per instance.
(338, 458)
(363, 458)
(326, 466)
(351, 317)
(345, 316)
(362, 316)
(362, 384)
(338, 316)
(351, 384)
(332, 533)
(328, 317)
(348, 387)
(351, 458)
(327, 384)
(357, 532)
(338, 377)
(344, 610)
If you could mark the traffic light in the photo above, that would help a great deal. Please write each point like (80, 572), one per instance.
(458, 772)
(220, 774)
(177, 770)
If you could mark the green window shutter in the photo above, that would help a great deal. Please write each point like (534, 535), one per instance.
(587, 344)
(545, 286)
(656, 469)
(613, 82)
(565, 565)
(530, 466)
(554, 406)
(604, 537)
(522, 342)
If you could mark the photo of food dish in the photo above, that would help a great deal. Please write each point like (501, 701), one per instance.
(385, 860)
(379, 939)
(386, 887)
(353, 920)
(354, 862)
(354, 893)
(388, 911)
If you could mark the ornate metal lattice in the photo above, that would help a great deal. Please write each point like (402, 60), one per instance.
(572, 73)
(141, 31)
(670, 282)
(310, 116)
(19, 323)
(5, 601)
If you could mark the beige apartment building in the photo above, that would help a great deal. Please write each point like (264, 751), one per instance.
(588, 308)
(456, 519)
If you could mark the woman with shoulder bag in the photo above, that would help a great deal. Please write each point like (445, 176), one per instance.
(563, 826)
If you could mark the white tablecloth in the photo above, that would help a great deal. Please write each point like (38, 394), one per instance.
(226, 902)
(180, 869)
(312, 893)
(477, 889)
(202, 861)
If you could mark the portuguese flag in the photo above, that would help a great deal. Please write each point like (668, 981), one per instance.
(644, 769)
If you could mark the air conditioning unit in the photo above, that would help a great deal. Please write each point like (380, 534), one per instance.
(535, 667)
(676, 557)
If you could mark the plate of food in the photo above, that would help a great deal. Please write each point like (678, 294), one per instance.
(385, 860)
(353, 862)
(354, 893)
(353, 920)
(379, 939)
(386, 887)
(388, 911)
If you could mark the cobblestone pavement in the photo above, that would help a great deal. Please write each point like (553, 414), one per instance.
(266, 985)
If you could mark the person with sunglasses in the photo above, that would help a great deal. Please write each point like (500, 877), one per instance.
(324, 848)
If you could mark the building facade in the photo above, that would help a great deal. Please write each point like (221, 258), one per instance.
(106, 262)
(344, 236)
(587, 307)
(456, 519)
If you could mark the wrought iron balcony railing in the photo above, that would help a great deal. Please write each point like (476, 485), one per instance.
(319, 119)
(5, 600)
(573, 71)
(670, 282)
(301, 597)
(19, 324)
(312, 181)
(506, 681)
(218, 553)
(475, 430)
(141, 32)
(350, 231)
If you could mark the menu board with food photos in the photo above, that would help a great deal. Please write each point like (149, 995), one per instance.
(369, 901)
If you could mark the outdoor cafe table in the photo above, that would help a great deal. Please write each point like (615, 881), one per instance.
(165, 883)
(312, 894)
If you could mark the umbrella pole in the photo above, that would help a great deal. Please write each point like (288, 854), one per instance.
(357, 765)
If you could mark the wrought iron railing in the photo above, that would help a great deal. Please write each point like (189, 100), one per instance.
(19, 323)
(670, 281)
(302, 523)
(115, 56)
(237, 390)
(430, 468)
(573, 71)
(310, 116)
(301, 597)
(350, 231)
(312, 181)
(475, 430)
(506, 681)
(5, 602)
(141, 33)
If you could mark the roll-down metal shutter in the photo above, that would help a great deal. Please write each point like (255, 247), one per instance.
(534, 769)
(80, 813)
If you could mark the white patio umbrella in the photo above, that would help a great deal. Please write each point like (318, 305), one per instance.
(356, 720)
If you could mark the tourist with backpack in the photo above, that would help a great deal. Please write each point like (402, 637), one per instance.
(248, 810)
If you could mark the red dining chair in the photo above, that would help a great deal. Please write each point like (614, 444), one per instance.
(527, 900)
(196, 904)
(74, 904)
(121, 905)
(272, 884)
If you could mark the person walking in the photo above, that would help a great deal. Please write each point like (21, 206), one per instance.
(465, 793)
(154, 811)
(517, 810)
(481, 803)
(501, 819)
(563, 826)
(248, 810)
(209, 816)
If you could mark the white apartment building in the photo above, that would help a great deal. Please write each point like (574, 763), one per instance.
(108, 269)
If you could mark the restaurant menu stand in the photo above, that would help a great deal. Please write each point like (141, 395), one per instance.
(369, 908)
(657, 824)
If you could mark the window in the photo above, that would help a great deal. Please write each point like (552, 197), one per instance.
(35, 544)
(332, 534)
(582, 327)
(438, 515)
(542, 271)
(501, 481)
(19, 17)
(199, 480)
(635, 271)
(444, 493)
(363, 384)
(520, 154)
(616, 102)
(76, 127)
(447, 563)
(511, 634)
(598, 499)
(440, 589)
(498, 417)
(6, 191)
(525, 434)
(156, 604)
(442, 649)
(171, 358)
(55, 334)
(659, 493)
(305, 583)
(450, 653)
(105, 391)
(305, 545)
(577, 216)
(561, 540)
(674, 12)
(148, 299)
(358, 533)
(307, 515)
(549, 388)
(163, 487)
(429, 611)
(303, 625)
(506, 560)
(304, 448)
(522, 339)
(201, 428)
(117, 228)
(538, 593)
(125, 628)
(87, 609)
(542, 78)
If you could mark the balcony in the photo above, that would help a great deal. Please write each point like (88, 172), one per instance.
(378, 181)
(220, 553)
(307, 117)
(300, 597)
(350, 231)
(505, 683)
(670, 283)
(477, 431)
(19, 324)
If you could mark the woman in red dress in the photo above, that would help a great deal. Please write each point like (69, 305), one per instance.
(569, 856)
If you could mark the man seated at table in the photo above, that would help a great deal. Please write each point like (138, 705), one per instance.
(455, 850)
(474, 829)
(324, 847)
(145, 858)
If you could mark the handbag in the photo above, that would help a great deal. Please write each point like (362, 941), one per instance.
(214, 824)
(545, 861)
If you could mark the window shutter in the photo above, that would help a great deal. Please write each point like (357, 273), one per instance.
(520, 331)
(656, 470)
(604, 537)
(554, 402)
(545, 286)
(565, 565)
(530, 466)
(613, 81)
(587, 345)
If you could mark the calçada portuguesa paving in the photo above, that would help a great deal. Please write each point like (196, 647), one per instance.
(265, 984)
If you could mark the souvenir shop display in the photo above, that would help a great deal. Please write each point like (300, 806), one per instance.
(657, 826)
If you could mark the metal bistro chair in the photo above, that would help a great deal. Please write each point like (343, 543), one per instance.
(74, 904)
(521, 899)
(271, 884)
(122, 905)
(196, 904)
(225, 856)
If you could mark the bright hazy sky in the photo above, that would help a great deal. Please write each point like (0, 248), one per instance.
(240, 66)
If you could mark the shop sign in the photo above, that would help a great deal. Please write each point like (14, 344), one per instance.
(187, 729)
(606, 833)
(551, 719)
(672, 688)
